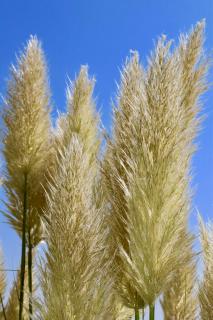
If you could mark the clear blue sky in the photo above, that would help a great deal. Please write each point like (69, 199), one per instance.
(100, 33)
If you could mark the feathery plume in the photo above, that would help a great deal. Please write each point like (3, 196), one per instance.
(158, 196)
(75, 277)
(116, 166)
(26, 149)
(150, 160)
(180, 299)
(26, 142)
(81, 118)
(190, 55)
(206, 287)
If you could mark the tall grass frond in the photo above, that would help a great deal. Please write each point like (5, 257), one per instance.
(75, 278)
(26, 150)
(116, 166)
(180, 299)
(206, 286)
(75, 274)
(151, 165)
(26, 141)
(81, 117)
(158, 195)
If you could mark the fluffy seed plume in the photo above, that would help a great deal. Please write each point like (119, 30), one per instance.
(75, 279)
(26, 141)
(206, 287)
(180, 300)
(150, 161)
(116, 166)
(26, 150)
(81, 118)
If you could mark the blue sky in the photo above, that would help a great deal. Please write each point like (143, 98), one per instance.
(100, 34)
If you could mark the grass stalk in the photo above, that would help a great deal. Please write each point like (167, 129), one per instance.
(23, 251)
(137, 314)
(30, 280)
(152, 312)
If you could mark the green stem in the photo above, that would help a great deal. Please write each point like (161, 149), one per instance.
(137, 315)
(152, 312)
(30, 282)
(23, 250)
(3, 308)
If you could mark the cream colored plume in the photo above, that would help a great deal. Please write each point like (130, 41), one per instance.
(73, 284)
(26, 141)
(180, 299)
(116, 167)
(75, 279)
(206, 286)
(81, 118)
(148, 164)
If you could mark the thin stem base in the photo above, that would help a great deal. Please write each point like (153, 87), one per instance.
(137, 314)
(152, 312)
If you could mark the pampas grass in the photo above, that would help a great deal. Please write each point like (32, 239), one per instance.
(180, 299)
(206, 286)
(73, 286)
(26, 145)
(114, 223)
(148, 163)
(116, 166)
